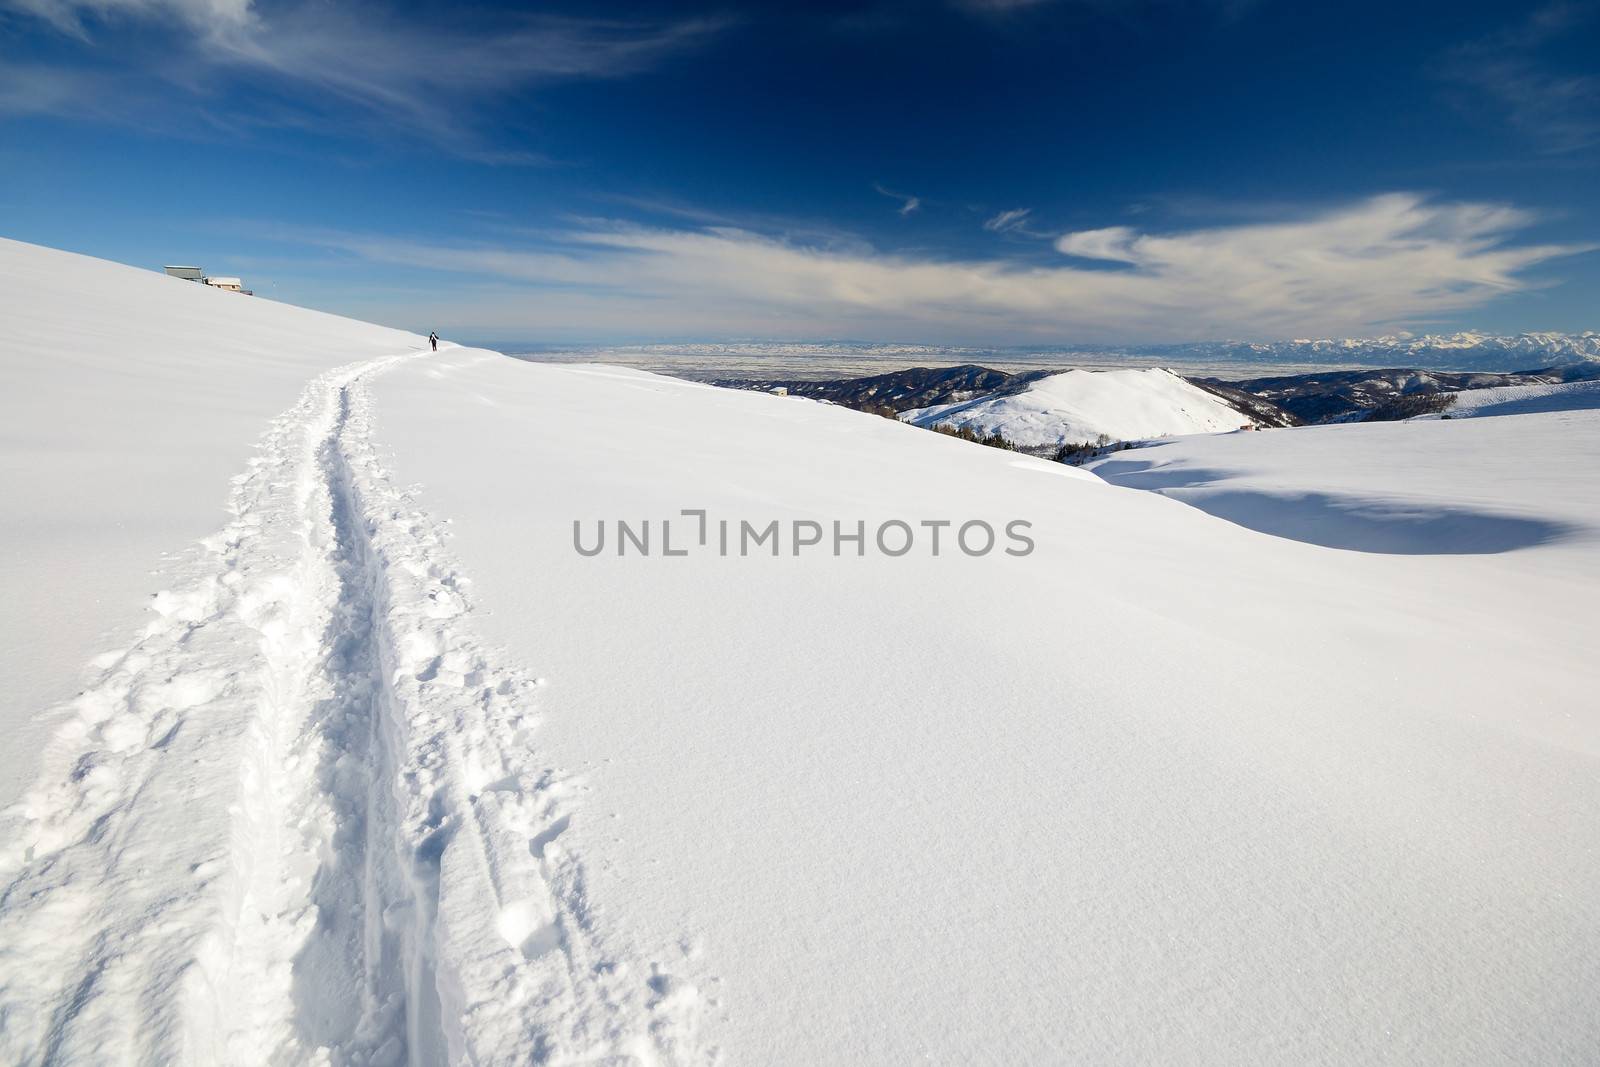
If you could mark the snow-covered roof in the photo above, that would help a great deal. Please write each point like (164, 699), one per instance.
(219, 280)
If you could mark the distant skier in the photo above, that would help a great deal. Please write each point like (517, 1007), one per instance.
(433, 340)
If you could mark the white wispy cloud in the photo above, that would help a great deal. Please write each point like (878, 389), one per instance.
(1005, 221)
(1388, 260)
(42, 89)
(313, 63)
(1512, 71)
(908, 203)
(74, 16)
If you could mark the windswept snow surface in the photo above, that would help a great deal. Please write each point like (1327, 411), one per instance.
(1078, 406)
(1525, 400)
(1167, 789)
(1422, 487)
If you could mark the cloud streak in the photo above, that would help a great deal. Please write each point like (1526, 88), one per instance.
(1007, 221)
(908, 204)
(74, 17)
(1556, 109)
(322, 65)
(1388, 260)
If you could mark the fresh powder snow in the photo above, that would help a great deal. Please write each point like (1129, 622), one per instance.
(1080, 406)
(1168, 789)
(354, 758)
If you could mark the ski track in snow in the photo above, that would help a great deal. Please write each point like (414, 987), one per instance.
(300, 820)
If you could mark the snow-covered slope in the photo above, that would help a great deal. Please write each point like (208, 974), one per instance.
(1079, 406)
(1419, 488)
(297, 815)
(1525, 399)
(1166, 790)
(1163, 789)
(130, 399)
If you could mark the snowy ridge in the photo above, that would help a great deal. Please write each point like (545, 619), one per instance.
(1078, 406)
(290, 823)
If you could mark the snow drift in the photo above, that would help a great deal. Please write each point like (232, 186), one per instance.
(1079, 406)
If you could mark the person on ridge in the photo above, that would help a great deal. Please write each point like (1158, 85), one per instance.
(433, 340)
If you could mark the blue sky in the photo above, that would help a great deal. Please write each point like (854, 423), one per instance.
(971, 171)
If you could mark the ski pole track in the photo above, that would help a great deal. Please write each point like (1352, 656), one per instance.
(300, 819)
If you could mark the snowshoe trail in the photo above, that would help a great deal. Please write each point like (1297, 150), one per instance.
(301, 819)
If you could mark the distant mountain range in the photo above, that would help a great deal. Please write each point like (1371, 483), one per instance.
(1040, 407)
(1457, 351)
(1468, 351)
